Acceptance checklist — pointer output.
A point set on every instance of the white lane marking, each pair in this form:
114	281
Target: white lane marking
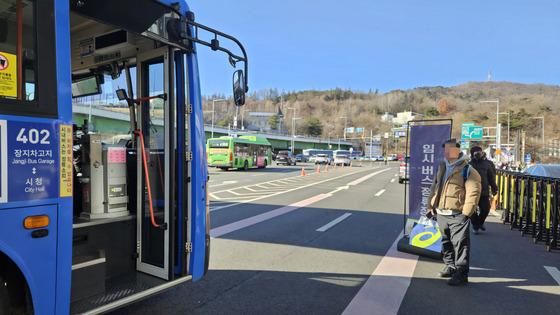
333	222
225	183
290	190
226	206
380	193
392	180
228	228
339	189
554	273
359	180
385	289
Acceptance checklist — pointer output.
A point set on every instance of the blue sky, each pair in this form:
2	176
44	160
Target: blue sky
385	45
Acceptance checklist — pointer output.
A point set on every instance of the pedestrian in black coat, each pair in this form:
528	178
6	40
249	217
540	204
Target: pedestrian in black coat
488	181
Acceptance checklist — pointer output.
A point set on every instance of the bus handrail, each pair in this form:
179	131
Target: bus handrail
144	159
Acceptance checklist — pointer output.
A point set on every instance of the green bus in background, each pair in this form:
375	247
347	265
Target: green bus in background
242	152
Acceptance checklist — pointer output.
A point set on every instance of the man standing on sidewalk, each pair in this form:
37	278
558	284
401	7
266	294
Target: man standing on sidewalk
454	195
488	180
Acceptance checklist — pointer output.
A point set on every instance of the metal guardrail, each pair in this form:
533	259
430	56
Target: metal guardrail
530	205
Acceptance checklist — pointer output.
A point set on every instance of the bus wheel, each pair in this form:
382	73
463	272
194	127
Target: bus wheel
4	298
245	166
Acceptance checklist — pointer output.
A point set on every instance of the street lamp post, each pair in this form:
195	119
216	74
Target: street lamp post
345	123
293	132
329	140
338	141
542	128
213	103
503	113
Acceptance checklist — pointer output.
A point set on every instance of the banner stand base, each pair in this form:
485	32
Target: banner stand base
404	246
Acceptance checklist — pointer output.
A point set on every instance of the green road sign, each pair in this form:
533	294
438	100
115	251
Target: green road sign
474	133
465	129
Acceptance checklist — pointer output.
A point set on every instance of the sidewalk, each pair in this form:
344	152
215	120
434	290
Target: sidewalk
507	276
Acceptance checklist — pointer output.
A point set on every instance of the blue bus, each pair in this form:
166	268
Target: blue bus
103	175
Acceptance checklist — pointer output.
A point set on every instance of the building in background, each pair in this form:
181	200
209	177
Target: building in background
405	117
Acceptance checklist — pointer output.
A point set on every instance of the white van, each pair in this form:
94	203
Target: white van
341	157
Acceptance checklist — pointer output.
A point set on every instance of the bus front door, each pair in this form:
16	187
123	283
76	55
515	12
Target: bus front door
155	186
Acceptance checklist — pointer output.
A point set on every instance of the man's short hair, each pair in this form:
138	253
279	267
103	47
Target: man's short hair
452	141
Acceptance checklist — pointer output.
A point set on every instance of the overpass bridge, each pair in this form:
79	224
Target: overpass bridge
117	120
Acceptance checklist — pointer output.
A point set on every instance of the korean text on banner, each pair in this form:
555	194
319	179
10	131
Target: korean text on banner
425	154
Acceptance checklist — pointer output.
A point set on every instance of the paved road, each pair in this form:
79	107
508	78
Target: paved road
321	244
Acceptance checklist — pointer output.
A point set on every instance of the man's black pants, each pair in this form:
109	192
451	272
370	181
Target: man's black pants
455	241
483	210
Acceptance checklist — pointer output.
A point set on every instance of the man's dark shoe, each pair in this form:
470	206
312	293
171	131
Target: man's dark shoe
458	279
483	228
475	230
447	272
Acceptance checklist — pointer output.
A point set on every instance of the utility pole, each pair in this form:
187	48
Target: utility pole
523	145
345	123
213	103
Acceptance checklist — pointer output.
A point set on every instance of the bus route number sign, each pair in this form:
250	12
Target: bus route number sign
28	160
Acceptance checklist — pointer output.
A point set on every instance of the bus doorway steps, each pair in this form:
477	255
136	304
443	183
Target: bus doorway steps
116	288
88	274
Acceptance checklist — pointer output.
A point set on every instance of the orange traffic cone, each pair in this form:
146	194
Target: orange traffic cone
318	169
335	166
350	164
360	164
303	171
327	169
342	165
371	164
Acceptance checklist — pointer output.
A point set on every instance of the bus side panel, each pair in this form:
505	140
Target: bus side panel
64	96
199	174
35	257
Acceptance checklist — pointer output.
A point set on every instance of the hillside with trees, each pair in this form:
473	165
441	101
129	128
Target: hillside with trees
321	111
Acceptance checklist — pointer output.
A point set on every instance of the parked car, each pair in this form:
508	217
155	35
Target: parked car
392	157
400	157
322	159
285	157
379	158
302	158
365	158
403	170
312	158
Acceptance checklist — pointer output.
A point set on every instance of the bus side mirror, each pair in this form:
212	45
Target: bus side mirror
239	88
